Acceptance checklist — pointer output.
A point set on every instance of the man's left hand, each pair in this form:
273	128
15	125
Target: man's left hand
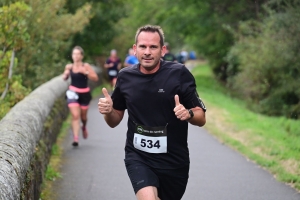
180	111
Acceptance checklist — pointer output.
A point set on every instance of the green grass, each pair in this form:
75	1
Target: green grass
52	174
98	90
272	142
53	168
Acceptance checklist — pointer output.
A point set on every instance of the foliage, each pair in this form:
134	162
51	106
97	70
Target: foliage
13	25
244	41
13	36
267	58
272	142
50	39
98	34
198	25
42	31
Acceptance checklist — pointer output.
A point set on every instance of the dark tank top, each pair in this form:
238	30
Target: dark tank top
78	80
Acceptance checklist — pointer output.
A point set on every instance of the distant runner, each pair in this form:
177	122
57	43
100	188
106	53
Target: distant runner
113	65
168	55
161	100
78	95
131	59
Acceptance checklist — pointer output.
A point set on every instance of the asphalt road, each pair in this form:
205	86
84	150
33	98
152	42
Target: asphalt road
95	170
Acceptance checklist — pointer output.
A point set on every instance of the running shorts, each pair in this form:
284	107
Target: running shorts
112	74
170	183
83	100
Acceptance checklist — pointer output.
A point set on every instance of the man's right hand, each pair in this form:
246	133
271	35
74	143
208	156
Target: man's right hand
105	104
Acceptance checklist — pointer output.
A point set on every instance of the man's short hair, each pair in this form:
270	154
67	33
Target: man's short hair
153	29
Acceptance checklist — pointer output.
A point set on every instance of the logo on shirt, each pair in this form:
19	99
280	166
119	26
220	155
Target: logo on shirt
140	129
161	91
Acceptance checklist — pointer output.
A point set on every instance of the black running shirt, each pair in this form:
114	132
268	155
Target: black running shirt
149	99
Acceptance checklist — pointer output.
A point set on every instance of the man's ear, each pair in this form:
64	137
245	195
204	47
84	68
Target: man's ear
163	52
134	49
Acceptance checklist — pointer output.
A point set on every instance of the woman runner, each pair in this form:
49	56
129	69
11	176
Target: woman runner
78	95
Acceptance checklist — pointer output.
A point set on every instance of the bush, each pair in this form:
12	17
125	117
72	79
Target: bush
265	62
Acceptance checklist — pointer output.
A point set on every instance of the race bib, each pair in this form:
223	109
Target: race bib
150	139
72	95
113	72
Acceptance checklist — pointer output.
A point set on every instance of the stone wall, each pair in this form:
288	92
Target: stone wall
27	134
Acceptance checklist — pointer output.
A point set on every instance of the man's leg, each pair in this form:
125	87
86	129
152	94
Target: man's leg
147	193
143	180
172	182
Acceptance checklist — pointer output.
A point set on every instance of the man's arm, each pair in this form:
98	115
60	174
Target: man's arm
199	117
112	116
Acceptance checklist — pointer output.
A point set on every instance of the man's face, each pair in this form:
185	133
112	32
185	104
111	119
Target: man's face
148	49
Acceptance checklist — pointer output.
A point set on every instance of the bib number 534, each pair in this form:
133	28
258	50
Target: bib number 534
150	144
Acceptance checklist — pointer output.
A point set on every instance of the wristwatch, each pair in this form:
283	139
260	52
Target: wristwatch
191	114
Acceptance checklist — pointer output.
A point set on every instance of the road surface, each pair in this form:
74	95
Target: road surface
95	169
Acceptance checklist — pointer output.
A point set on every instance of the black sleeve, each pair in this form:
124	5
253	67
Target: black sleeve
189	97
118	99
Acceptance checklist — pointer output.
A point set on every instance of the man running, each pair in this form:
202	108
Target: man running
161	100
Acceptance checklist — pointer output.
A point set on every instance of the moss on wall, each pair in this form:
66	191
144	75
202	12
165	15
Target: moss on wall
32	186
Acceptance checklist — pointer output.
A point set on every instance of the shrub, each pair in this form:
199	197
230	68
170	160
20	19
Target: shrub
265	62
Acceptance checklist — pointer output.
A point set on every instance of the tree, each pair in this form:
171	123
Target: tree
98	34
51	29
198	24
13	34
34	36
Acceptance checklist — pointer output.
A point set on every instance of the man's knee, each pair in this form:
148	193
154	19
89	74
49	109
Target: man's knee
147	193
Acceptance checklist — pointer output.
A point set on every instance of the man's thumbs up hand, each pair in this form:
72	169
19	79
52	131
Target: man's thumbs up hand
180	111
105	105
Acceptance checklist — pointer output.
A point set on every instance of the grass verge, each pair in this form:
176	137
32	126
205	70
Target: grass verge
98	90
272	142
53	168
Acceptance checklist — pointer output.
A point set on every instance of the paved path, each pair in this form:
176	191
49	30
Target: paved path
95	170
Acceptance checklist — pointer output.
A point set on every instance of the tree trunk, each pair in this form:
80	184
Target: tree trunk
10	72
3	53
